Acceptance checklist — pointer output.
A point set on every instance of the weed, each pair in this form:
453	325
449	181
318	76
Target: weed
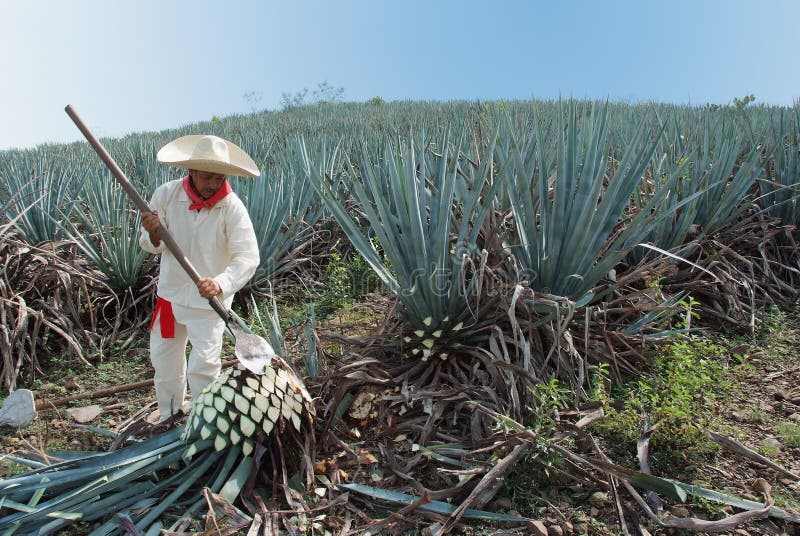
336	294
678	398
344	282
539	464
755	415
689	305
363	278
790	434
768	449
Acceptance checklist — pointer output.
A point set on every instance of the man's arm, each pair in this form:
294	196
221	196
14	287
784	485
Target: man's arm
151	223
243	247
148	239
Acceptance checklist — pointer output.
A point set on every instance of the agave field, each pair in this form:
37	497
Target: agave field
508	246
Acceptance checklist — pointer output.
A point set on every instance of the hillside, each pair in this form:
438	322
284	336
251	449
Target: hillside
485	298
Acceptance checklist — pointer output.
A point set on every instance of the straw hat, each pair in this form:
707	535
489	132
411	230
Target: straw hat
208	153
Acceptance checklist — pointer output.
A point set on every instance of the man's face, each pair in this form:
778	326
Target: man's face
205	182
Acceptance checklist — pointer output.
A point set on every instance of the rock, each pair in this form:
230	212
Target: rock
594	512
568	527
581	528
86	414
773	442
18	409
780	394
537	528
72	384
794	417
742	349
599	498
362	406
555	530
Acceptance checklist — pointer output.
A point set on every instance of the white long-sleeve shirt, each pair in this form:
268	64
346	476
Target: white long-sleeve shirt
219	242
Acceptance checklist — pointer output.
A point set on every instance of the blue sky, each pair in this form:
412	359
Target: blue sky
154	64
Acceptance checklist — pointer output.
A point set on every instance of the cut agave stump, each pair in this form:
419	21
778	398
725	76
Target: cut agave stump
243	408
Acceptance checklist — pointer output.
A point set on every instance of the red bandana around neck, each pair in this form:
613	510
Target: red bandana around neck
198	202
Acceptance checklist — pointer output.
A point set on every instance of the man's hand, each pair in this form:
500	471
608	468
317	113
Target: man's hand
208	287
151	223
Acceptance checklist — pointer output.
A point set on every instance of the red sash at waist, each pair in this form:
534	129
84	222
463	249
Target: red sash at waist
164	308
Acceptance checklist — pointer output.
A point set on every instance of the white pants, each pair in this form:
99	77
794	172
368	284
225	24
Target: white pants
203	329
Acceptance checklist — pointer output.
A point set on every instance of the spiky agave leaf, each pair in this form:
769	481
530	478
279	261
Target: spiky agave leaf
779	193
107	232
709	159
568	199
425	204
284	209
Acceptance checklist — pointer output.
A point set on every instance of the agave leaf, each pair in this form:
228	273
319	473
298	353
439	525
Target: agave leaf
437	507
650	317
779	191
116	479
186	479
89	467
234	485
107	231
736	502
664	486
127	496
43	183
716	161
568	219
284	208
408	198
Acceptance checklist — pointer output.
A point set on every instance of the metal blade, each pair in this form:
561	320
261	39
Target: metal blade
252	351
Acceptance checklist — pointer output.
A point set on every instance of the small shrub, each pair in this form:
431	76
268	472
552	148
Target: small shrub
538	466
345	281
363	278
679	395
336	294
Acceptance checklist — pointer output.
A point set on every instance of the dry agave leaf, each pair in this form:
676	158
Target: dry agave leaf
362	406
736	447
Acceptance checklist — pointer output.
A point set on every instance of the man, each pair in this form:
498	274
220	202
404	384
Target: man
211	225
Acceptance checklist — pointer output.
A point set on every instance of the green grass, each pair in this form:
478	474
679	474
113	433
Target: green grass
789	433
769	450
